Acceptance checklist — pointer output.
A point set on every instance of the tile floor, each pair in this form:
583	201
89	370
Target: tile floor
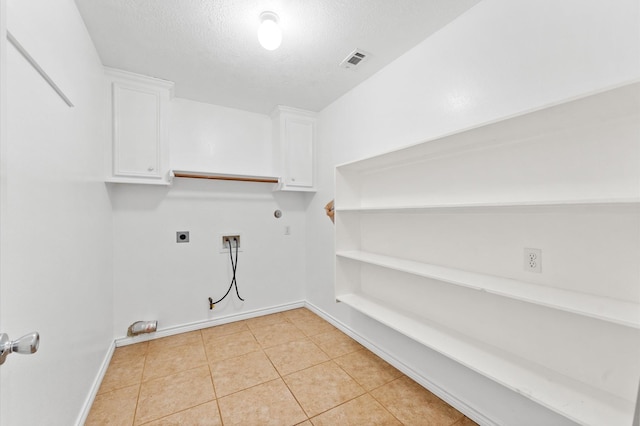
290	368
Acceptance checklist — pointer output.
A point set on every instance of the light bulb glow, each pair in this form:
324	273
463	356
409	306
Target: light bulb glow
269	32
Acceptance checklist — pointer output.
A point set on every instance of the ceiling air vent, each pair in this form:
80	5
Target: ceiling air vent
355	58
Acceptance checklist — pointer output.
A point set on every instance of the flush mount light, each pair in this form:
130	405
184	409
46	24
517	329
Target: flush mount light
269	32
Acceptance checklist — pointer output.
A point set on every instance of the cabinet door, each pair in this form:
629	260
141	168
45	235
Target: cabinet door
299	152
137	132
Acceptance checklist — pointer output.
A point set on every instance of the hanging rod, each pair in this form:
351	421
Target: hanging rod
223	176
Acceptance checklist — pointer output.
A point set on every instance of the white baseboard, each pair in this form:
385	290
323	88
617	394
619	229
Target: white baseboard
198	325
84	413
461	405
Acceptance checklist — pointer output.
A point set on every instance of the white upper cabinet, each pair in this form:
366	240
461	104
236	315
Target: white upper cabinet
294	151
139	151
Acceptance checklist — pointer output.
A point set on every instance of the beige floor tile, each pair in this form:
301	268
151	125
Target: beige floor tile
312	325
223	330
368	369
170	360
276	334
231	345
117	407
267	404
363	410
202	415
322	387
327	374
235	374
335	343
182	339
129	352
298	313
466	421
294	356
170	394
125	372
265	320
414	405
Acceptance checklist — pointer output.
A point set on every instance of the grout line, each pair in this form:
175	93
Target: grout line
213	386
209	362
288	388
175	412
366	392
380	402
144	366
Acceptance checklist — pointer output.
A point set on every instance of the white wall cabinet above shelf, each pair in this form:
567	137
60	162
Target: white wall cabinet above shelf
603	308
139	144
294	148
433	241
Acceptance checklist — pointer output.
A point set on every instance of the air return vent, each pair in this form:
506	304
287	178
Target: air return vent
355	59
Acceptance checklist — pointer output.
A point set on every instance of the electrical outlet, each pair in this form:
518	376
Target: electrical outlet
182	237
233	239
533	260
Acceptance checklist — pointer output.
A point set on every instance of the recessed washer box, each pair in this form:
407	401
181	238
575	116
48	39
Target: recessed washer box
231	237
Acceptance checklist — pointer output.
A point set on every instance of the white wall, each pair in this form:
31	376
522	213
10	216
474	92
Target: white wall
56	264
496	60
207	137
156	278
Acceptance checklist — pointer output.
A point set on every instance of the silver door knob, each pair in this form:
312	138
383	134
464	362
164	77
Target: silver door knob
25	345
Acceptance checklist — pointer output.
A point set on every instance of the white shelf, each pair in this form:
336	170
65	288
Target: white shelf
630	201
573	399
604	107
602	308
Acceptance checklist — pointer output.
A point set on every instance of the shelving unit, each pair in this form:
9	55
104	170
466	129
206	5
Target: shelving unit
430	239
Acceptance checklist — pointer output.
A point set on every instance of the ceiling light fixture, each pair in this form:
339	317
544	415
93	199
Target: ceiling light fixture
269	32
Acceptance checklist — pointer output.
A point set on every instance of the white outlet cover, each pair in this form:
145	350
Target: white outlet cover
533	260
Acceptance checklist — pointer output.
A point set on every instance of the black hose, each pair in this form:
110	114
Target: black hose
234	265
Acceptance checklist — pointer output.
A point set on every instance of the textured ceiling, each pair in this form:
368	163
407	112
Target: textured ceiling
209	48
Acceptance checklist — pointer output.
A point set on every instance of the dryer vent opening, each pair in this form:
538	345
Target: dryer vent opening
140	327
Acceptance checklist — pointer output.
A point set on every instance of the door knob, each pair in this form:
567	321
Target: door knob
25	345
